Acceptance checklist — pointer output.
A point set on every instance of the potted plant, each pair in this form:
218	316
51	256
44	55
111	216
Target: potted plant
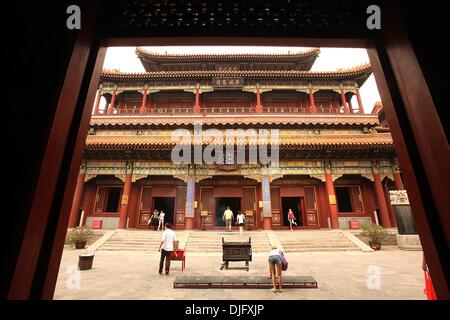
375	233
79	236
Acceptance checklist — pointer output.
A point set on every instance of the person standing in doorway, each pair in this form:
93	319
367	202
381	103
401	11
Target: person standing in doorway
291	218
228	216
166	248
240	221
161	220
154	219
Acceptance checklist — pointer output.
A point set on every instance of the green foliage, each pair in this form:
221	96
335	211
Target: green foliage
80	234
374	232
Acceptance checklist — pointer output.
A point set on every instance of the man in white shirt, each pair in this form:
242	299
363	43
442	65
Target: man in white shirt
166	247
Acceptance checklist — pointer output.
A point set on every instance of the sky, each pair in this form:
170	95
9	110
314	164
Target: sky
330	59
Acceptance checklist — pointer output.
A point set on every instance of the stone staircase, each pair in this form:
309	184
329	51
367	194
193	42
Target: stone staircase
315	240
211	241
134	240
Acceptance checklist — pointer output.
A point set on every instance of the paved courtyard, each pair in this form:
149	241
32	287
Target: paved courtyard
388	274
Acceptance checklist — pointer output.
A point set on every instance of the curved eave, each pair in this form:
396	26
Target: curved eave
314	120
158	57
358	74
383	141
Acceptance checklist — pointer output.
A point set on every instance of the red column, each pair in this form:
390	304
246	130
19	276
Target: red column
97	101
111	105
124	203
336	105
398	183
350	107
312	102
332	201
388	203
76	204
360	104
189	223
381	200
344	102
258	101
144	103
267	223
197	100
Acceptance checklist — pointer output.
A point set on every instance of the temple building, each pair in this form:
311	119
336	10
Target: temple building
336	162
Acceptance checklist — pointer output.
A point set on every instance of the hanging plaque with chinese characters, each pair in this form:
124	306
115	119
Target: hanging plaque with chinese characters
228	82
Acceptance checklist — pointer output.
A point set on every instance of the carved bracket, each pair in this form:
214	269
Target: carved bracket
181	177
88	177
321	177
367	176
121	177
390	176
334	177
275	176
136	177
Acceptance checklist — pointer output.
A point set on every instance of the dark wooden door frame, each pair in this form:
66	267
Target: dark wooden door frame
174	215
416	129
302	212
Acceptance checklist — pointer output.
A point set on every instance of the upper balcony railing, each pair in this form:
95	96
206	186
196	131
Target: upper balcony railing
238	110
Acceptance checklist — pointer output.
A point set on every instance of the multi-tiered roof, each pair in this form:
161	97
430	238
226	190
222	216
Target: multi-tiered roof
260	72
289	66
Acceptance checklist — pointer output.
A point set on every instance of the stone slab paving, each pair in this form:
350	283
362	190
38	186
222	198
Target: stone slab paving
340	275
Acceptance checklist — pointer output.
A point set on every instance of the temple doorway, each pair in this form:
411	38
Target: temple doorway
166	204
295	204
221	206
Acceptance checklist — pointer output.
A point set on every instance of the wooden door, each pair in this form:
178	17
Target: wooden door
311	207
100	199
207	205
145	206
180	206
355	194
275	201
249	205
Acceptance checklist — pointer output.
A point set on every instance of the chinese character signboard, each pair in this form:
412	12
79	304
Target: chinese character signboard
228	82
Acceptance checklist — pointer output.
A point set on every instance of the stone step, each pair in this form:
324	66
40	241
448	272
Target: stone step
309	237
220	249
313	242
188	246
295	248
130	246
229	237
204	242
226	240
320	249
